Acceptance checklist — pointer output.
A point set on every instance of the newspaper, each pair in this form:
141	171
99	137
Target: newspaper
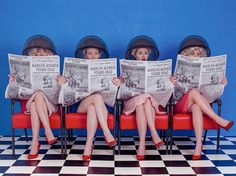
33	73
204	74
85	77
146	77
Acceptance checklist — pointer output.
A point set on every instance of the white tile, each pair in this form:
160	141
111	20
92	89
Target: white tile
74	157
229	152
186	152
125	158
99	175
7	162
17	151
155	175
152	152
45	147
73	170
227	170
97	163
37	174
78	147
21	169
172	157
128	170
151	164
201	163
231	138
128	147
54	151
184	143
3	147
223	142
8	138
24	157
180	170
127	139
102	152
209	147
51	163
218	157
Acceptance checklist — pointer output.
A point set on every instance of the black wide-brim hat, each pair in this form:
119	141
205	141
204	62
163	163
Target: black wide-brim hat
91	42
38	41
142	41
194	41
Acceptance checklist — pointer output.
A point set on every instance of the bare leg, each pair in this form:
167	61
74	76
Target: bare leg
35	123
142	128
197	116
92	124
101	111
197	98
150	115
42	111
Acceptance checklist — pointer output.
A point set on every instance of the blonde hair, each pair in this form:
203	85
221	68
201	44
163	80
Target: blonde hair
134	51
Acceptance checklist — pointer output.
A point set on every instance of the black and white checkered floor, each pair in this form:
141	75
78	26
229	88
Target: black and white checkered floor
104	162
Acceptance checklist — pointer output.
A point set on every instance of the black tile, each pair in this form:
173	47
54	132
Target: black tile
9	156
100	170
189	157
76	151
207	143
24	139
174	152
26	163
152	157
5	142
206	170
103	157
103	147
182	175
186	147
47	169
80	142
215	138
127	143
3	169
233	156
224	163
181	139
157	170
76	163
176	164
212	152
41	151
19	147
16	174
227	146
128	152
126	163
53	157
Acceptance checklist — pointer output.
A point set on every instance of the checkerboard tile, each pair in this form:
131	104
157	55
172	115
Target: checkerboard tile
103	162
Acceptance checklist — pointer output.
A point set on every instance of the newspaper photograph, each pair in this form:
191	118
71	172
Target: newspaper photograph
204	74
85	77
146	77
33	73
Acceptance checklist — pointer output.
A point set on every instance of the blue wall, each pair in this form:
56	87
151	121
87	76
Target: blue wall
168	22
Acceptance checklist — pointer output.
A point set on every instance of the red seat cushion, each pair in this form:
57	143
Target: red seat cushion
20	120
184	122
128	122
79	120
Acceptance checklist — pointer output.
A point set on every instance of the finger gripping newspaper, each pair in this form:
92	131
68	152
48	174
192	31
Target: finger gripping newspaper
204	74
31	74
86	77
146	77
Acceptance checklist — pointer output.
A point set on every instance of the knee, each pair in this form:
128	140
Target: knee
147	103
98	98
194	93
39	97
91	108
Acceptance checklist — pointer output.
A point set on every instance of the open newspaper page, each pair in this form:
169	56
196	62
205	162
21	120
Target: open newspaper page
101	74
204	74
133	73
146	77
158	80
44	71
188	73
21	88
33	73
213	72
85	77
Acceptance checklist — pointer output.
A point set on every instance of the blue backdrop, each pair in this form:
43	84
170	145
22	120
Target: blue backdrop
166	21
